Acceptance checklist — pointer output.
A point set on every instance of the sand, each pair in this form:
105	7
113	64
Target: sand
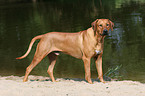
42	86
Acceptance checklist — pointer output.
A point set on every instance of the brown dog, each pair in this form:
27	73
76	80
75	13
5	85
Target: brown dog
83	45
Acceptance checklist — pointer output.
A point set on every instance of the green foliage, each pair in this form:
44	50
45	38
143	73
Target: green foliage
112	72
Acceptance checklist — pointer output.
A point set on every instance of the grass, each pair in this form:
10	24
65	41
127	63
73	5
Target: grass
113	73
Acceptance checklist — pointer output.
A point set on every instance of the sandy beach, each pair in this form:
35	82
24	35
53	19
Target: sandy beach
42	86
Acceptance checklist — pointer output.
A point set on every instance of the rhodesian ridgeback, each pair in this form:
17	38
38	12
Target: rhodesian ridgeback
82	45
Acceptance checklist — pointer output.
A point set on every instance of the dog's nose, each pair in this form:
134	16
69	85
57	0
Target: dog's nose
105	32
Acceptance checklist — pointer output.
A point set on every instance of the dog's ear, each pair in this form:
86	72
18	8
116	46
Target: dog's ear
111	25
94	25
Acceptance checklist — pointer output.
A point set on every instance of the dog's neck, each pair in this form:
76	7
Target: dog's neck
97	40
99	43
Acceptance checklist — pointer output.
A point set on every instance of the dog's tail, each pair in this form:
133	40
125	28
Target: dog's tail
30	46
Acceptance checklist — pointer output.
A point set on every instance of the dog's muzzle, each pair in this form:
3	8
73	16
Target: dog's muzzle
105	32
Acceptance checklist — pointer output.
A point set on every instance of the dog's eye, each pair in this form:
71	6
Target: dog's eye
100	25
107	24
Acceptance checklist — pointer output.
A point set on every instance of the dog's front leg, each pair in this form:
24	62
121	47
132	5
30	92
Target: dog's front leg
99	67
87	69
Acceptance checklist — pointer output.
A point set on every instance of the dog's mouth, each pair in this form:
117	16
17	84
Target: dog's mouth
104	34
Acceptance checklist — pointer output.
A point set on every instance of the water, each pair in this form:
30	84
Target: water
21	21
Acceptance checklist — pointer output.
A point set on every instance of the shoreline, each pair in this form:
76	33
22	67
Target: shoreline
42	86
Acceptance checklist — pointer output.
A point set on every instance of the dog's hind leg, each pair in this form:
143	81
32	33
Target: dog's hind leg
52	58
34	62
41	51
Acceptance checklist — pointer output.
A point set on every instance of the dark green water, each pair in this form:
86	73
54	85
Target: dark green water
21	21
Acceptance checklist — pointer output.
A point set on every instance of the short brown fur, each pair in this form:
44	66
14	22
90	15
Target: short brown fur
82	45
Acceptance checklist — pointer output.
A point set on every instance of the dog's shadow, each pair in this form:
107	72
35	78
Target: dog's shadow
72	79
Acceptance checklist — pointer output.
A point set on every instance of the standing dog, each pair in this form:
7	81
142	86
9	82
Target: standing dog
83	45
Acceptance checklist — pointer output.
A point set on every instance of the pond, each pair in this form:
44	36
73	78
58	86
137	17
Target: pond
125	46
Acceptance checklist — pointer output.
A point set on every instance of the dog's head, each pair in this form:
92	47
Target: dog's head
102	26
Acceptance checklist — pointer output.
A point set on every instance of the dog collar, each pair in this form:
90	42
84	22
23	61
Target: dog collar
97	52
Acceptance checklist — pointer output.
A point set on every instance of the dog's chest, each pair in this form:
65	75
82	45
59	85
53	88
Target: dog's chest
97	52
98	48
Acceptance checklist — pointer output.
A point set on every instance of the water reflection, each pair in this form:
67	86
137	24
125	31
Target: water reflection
20	22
